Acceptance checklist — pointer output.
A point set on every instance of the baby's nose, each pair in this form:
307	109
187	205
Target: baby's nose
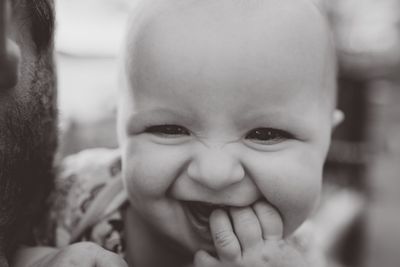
215	168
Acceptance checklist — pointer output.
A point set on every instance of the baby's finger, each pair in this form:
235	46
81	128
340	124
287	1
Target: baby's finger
203	259
225	241
270	220
247	227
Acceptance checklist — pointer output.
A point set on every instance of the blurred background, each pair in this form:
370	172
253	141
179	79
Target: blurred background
359	218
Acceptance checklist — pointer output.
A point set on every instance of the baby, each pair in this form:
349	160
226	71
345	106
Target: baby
224	122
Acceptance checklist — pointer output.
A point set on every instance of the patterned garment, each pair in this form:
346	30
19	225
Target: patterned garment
88	204
81	178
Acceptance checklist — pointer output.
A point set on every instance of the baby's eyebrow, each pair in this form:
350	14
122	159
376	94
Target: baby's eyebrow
278	116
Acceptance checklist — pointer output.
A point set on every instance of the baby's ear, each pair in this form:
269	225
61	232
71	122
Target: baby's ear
337	117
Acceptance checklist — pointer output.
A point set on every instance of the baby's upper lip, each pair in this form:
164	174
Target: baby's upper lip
208	204
221	205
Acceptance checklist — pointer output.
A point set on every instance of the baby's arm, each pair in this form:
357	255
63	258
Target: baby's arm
84	254
253	239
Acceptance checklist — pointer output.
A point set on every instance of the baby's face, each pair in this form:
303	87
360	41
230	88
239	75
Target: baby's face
219	111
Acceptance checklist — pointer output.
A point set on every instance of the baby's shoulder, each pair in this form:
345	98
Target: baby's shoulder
87	170
80	178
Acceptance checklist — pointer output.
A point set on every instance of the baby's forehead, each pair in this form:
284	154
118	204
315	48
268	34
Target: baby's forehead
159	23
181	35
165	11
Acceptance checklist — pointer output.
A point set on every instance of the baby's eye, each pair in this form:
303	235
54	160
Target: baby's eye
167	130
268	136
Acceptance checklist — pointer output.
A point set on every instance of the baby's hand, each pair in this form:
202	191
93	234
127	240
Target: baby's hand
84	254
254	240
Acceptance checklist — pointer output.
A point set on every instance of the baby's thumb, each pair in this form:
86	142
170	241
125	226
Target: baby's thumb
203	259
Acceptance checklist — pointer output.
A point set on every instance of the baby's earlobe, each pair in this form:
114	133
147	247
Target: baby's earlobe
337	117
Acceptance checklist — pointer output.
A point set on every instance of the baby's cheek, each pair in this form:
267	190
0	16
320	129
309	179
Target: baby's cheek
294	194
149	170
298	206
301	186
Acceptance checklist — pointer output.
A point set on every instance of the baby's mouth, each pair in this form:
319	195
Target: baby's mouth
199	214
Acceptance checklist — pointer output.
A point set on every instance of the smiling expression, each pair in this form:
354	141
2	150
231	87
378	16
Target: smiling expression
217	111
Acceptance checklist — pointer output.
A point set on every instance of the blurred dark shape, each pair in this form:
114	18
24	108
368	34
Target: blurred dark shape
9	51
365	152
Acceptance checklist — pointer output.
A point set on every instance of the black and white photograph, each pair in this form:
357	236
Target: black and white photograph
199	133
